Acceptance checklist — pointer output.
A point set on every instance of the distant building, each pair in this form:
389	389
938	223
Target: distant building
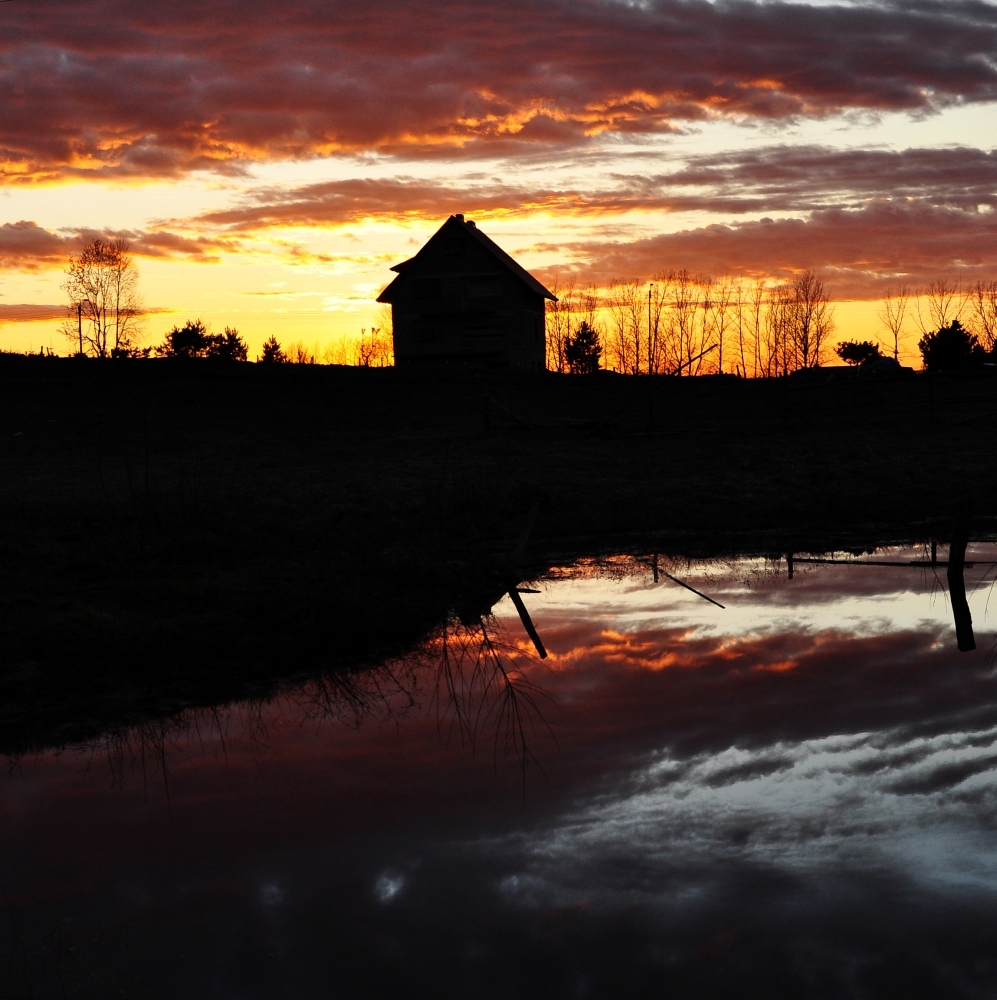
462	300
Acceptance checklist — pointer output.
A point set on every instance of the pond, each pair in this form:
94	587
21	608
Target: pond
785	790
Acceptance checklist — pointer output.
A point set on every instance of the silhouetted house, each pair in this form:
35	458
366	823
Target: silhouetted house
462	300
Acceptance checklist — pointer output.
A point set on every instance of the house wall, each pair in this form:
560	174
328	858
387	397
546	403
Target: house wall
457	304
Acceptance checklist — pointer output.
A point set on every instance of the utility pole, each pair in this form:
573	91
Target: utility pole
79	324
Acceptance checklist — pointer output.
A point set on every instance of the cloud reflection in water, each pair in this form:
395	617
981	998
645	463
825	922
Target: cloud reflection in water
793	796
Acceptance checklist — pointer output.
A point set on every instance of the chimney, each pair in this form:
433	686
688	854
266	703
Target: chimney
471	224
459	217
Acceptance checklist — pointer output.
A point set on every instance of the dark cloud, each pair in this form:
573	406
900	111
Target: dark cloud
37	313
779	178
859	251
773	179
158	243
27	246
111	86
943	777
888	761
870	217
345	201
26	313
758	767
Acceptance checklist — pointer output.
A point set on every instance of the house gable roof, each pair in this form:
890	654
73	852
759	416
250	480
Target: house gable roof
493	248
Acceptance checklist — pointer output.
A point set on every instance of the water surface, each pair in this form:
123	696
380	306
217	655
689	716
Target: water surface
791	795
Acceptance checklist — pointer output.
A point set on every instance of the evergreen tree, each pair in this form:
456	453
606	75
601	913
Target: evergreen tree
951	348
273	353
192	340
583	351
228	346
187	341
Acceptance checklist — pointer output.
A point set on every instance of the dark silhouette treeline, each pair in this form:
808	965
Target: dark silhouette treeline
691	324
678	324
950	348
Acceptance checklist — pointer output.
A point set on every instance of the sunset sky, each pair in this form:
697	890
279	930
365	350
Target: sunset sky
269	162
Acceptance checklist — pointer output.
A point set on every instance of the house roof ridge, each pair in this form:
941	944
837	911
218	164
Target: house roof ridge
509	261
489	244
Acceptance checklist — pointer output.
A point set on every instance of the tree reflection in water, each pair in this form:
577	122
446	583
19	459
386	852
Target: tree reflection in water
476	679
470	676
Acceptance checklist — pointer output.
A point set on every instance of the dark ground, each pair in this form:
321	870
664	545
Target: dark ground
179	534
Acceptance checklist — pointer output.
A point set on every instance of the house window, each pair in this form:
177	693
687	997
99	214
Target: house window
453	248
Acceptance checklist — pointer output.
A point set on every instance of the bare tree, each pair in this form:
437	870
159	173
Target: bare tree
658	327
789	325
983	300
724	299
746	303
559	324
588	307
683	306
385	322
810	321
777	327
701	338
705	334
372	349
104	309
625	303
751	326
741	328
939	304
688	324
759	290
894	314
301	354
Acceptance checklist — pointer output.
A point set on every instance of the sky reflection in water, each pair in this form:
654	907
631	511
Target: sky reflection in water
791	796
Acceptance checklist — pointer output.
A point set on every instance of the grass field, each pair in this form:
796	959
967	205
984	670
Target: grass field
178	534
